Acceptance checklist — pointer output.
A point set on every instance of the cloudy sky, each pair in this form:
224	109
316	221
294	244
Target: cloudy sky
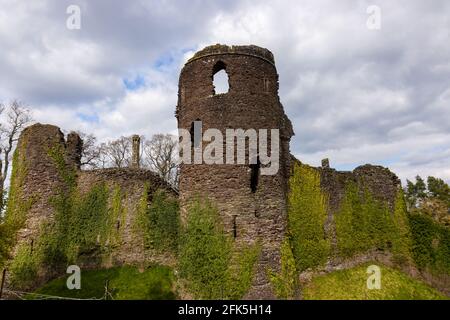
354	94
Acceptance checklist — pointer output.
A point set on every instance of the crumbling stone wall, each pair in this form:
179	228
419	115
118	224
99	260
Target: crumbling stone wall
252	102
131	184
38	178
45	167
382	184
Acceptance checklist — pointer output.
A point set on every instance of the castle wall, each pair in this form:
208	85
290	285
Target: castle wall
382	184
131	185
36	177
45	172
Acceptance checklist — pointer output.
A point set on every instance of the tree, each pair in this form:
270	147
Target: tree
431	198
437	188
90	152
410	193
17	118
118	152
415	192
420	188
161	155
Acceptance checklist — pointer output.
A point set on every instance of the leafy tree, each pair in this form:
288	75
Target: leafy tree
410	194
420	188
437	188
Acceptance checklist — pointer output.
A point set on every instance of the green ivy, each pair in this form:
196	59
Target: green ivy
430	244
307	214
363	223
209	262
24	268
116	217
159	222
67	174
16	207
82	226
285	282
401	236
240	271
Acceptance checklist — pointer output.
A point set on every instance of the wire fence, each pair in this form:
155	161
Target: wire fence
23	295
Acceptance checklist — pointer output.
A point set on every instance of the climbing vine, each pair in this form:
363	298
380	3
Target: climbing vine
306	218
430	244
209	261
16	207
158	221
363	223
401	235
285	282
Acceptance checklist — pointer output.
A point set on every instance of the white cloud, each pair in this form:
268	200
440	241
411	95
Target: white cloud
353	94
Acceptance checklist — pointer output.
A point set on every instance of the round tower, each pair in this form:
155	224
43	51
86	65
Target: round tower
252	204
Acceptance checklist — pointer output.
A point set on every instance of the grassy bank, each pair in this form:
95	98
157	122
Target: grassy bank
351	284
123	283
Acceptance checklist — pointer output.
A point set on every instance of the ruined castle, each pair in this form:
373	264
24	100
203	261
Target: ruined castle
252	207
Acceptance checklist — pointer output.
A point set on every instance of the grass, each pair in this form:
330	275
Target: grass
351	284
124	283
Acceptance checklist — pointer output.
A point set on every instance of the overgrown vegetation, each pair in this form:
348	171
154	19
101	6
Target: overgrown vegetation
123	283
17	208
430	244
364	223
307	214
401	235
351	284
82	225
431	198
285	282
159	222
206	256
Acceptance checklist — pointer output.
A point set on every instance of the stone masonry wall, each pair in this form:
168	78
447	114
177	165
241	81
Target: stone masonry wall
39	177
131	183
252	102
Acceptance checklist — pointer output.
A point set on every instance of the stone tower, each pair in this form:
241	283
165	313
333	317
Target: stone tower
41	162
252	206
135	152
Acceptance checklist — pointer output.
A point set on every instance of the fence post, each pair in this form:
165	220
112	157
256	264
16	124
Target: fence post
2	283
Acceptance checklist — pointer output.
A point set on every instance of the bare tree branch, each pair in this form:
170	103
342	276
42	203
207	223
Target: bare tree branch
161	155
17	118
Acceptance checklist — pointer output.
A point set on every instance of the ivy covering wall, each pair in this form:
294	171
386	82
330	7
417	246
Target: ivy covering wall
306	218
285	282
16	207
82	226
158	222
209	261
364	223
430	244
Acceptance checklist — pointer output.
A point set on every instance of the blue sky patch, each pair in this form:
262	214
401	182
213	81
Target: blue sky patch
134	84
88	117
